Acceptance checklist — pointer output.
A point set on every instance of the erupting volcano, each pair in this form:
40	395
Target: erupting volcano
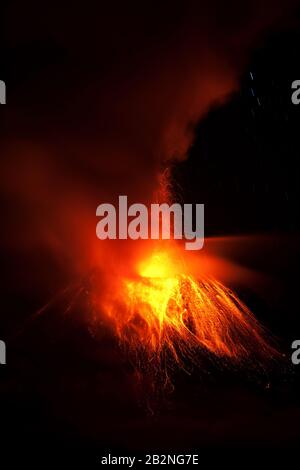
166	315
171	310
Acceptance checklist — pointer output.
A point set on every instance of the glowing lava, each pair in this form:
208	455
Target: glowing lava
164	309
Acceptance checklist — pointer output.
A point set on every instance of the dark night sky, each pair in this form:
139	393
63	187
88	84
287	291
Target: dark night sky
244	163
97	100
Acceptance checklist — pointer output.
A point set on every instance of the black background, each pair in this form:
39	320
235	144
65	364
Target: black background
68	394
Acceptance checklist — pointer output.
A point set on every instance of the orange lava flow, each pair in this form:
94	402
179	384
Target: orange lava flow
164	308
